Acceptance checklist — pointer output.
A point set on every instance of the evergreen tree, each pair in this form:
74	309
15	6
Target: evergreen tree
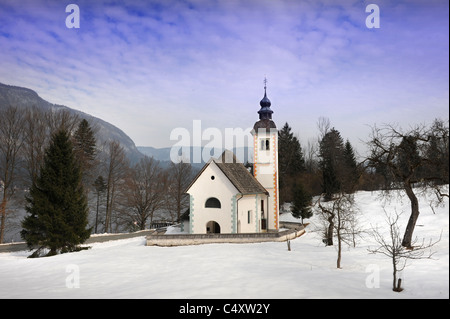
84	147
349	156
331	150
291	161
301	204
57	206
350	177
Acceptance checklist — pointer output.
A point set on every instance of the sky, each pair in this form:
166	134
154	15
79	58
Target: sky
150	67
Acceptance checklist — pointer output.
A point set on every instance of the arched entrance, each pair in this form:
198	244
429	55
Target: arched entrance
212	227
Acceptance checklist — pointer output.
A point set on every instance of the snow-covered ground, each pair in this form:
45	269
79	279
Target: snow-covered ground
129	269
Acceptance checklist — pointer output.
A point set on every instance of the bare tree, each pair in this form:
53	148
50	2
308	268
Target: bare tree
61	119
311	162
144	192
347	224
11	141
327	215
99	192
324	125
35	141
38	126
115	166
408	158
341	215
179	176
391	246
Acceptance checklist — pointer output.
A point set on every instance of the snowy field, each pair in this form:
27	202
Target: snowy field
129	269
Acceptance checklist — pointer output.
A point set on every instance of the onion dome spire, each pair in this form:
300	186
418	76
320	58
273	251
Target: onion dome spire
265	113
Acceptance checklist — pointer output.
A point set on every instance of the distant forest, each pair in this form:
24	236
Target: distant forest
125	195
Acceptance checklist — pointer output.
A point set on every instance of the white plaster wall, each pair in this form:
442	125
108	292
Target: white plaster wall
245	204
204	188
266	172
250	203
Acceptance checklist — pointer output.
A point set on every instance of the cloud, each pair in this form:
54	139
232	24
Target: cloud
151	66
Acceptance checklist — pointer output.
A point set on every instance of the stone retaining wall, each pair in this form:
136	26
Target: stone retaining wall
293	230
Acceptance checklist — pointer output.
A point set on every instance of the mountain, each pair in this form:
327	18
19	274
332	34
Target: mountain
26	98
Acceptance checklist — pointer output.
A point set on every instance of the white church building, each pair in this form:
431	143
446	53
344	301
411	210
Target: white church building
226	198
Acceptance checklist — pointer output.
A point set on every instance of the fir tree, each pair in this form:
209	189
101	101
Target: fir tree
291	162
350	169
57	206
301	205
331	150
85	141
84	147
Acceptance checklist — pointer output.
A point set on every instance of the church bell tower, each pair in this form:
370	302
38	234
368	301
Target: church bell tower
265	159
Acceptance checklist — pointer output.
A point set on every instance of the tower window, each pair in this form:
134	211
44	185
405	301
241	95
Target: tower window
265	144
212	202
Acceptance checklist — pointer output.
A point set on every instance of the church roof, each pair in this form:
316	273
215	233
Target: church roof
236	173
266	124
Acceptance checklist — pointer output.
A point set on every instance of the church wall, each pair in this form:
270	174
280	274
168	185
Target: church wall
206	187
249	213
246	204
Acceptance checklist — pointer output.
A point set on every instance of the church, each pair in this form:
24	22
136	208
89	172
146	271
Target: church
226	198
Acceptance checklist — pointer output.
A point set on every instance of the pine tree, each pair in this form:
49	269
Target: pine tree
291	162
57	206
350	170
84	147
301	204
331	150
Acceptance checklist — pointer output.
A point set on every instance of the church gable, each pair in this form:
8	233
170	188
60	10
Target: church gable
211	196
214	194
211	180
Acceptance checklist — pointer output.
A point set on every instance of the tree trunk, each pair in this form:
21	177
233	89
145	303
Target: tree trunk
396	283
108	207
339	255
96	214
3	218
330	230
394	273
407	237
338	234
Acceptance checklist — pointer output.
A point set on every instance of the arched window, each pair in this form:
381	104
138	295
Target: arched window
212	202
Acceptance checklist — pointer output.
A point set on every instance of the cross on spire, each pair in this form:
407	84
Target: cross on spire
265	83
